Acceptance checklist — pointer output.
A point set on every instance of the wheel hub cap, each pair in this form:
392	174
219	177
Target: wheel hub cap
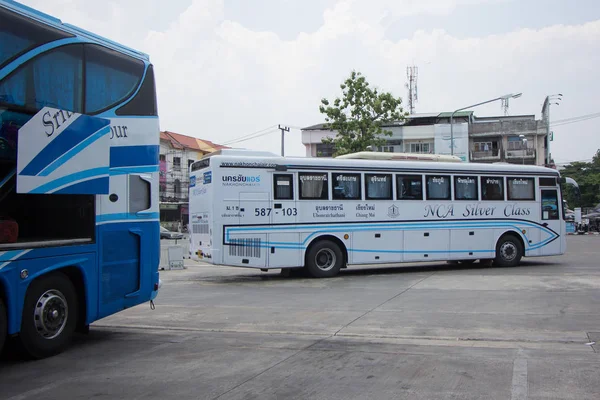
325	259
508	251
51	312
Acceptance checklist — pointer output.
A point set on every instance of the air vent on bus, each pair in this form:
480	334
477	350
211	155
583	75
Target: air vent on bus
245	247
199	228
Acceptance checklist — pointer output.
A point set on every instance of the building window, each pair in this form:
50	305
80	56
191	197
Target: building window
421	148
465	188
325	150
409	187
176	163
378	187
284	189
438	187
386	149
313	186
177	187
492	188
346	186
521	188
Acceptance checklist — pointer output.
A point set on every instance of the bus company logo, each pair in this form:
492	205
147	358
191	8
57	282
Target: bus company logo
393	211
241	180
192	181
207	177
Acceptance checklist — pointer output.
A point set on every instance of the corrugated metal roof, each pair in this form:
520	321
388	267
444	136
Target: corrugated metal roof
179	141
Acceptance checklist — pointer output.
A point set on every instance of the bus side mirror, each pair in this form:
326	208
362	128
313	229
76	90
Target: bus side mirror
563	180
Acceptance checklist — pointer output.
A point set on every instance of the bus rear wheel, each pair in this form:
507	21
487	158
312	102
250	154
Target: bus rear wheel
324	259
3	324
509	251
49	316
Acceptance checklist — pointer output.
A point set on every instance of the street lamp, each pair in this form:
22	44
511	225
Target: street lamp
505	97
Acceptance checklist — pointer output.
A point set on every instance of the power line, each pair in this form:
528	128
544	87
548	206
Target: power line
573	120
250	138
249	134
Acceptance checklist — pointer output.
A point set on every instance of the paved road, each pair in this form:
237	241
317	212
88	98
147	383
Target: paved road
419	332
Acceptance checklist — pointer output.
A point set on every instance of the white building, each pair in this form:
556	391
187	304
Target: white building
515	139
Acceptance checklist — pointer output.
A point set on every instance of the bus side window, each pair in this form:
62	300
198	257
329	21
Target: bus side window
492	188
465	188
378	187
346	186
409	187
284	187
438	187
521	188
313	186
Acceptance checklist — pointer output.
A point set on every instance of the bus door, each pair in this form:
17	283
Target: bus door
284	247
551	216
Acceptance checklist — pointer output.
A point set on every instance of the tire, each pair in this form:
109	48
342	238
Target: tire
49	316
3	324
324	259
509	251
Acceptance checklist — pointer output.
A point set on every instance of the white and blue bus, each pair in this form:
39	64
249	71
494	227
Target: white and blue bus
260	210
79	143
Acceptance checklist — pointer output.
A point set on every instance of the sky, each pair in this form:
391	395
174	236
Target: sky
229	68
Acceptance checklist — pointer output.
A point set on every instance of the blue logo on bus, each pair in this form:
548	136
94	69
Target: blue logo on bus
207	177
192	181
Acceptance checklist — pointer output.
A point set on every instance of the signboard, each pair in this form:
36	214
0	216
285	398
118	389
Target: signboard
442	140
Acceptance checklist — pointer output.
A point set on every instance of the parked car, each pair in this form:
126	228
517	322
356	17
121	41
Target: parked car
167	234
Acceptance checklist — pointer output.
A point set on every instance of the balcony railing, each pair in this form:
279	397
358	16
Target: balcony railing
493	154
520	153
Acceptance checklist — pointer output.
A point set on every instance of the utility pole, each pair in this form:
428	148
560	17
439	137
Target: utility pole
551	99
283	130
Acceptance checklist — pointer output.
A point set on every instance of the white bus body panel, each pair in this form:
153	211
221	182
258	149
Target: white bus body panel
248	228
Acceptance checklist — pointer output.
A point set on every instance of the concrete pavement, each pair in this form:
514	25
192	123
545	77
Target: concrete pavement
424	331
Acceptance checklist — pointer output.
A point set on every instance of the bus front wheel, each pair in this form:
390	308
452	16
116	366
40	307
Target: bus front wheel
324	259
49	316
3	324
509	251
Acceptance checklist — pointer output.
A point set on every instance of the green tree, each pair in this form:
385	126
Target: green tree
358	114
587	176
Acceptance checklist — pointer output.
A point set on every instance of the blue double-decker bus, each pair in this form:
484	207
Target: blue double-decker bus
79	143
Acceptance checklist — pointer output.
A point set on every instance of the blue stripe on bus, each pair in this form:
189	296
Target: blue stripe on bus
92	186
120	216
128	156
65	180
77	132
74	151
133	170
16	63
409	226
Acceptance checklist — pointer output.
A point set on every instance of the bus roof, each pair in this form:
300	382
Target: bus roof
57	23
376	155
246	159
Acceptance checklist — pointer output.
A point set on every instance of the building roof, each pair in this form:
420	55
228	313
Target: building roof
179	141
412	119
456	115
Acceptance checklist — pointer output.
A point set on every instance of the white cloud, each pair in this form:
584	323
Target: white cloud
219	80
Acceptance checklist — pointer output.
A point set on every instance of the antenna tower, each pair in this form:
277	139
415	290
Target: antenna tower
505	106
412	74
